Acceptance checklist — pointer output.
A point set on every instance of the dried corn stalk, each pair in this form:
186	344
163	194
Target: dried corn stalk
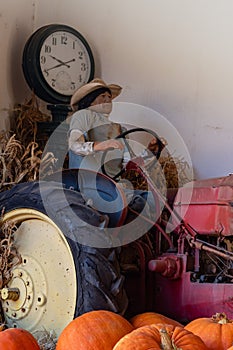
27	116
176	171
9	256
46	340
169	172
22	164
20	154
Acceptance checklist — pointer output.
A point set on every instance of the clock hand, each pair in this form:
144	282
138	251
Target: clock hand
59	65
63	63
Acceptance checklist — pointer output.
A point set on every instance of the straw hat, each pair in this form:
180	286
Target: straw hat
93	85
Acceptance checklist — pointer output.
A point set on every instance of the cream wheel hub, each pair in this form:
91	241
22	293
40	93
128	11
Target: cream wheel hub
46	278
21	281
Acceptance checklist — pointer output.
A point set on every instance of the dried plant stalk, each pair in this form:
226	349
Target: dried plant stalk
22	164
27	116
46	340
20	153
9	256
169	172
176	171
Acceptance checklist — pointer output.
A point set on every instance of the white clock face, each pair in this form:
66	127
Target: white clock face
64	62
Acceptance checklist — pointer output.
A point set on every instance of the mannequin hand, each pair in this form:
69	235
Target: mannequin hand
108	144
155	146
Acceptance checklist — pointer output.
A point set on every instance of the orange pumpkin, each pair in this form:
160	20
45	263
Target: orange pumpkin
159	337
16	338
99	330
148	318
231	348
216	331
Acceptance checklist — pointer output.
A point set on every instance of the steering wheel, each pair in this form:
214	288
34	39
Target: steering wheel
123	135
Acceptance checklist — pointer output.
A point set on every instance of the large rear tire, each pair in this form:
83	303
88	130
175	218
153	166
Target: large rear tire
59	278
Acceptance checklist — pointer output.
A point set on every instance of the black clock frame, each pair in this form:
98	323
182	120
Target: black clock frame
31	63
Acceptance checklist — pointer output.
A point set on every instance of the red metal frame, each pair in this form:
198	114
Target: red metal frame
209	212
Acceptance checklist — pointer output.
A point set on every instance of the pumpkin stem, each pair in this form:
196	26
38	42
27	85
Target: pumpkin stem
166	343
220	317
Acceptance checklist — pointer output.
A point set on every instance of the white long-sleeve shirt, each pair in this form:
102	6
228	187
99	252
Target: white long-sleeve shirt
88	126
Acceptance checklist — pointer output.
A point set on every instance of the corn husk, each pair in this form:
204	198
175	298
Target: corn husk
20	152
46	340
26	117
22	164
169	172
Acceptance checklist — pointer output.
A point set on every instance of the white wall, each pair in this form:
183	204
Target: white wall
173	56
16	21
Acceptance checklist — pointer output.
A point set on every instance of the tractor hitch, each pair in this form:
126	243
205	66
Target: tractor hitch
167	266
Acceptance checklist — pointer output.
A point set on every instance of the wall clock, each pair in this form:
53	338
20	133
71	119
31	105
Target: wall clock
56	61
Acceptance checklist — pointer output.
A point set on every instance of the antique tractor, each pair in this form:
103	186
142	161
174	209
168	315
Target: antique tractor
86	243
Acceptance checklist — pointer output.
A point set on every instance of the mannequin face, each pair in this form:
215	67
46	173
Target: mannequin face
105	97
102	103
